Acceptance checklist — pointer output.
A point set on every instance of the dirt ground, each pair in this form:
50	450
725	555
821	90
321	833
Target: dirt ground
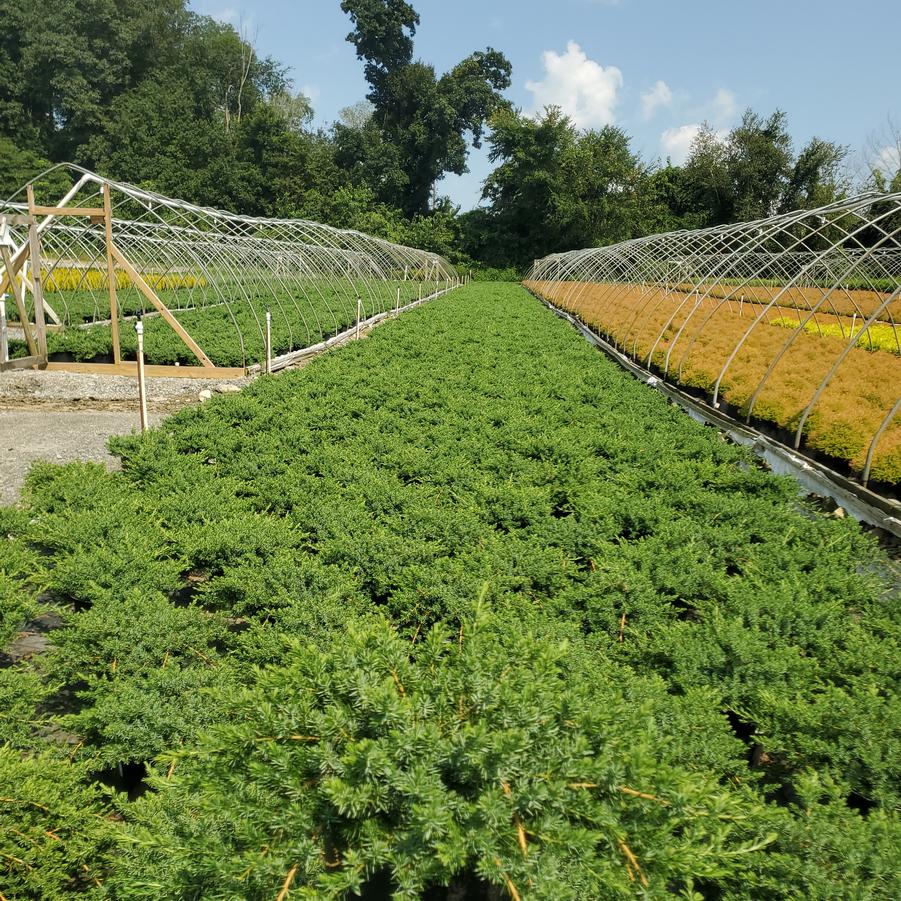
60	416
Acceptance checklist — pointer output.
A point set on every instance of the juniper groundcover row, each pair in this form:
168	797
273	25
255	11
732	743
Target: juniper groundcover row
460	610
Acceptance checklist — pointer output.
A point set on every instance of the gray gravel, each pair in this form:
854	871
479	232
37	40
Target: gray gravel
63	416
58	436
67	390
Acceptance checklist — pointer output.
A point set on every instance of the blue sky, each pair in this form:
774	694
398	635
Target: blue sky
657	68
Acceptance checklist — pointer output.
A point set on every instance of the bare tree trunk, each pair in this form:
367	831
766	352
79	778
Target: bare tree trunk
247	58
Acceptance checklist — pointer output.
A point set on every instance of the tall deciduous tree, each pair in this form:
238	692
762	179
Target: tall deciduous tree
753	172
424	116
816	177
555	188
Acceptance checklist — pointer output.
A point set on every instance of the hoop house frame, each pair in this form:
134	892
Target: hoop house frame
789	322
83	267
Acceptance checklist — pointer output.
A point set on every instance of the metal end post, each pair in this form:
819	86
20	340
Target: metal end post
4	334
142	387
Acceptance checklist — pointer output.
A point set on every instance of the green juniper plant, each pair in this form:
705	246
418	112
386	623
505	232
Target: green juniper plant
474	758
655	598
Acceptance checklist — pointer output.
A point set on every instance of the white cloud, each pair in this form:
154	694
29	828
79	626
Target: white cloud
226	15
723	106
311	92
581	87
676	142
656	98
888	160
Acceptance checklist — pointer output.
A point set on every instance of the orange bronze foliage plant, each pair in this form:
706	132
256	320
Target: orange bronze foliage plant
759	368
843	301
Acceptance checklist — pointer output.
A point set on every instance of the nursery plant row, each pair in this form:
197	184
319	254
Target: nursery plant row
231	334
459	610
870	300
700	346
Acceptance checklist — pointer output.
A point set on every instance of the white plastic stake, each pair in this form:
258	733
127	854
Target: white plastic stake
420	290
142	388
406	269
853	323
4	334
397	302
359	316
268	342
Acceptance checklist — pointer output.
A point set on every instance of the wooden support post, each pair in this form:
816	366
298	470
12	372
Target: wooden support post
37	285
19	297
142	387
164	311
40	326
111	275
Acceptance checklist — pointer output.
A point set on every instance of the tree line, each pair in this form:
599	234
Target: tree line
149	92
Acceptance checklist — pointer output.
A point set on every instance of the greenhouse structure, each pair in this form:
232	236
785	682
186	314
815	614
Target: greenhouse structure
790	323
86	266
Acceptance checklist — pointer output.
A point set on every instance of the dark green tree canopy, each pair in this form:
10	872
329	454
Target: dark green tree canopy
383	35
426	117
753	172
64	63
555	187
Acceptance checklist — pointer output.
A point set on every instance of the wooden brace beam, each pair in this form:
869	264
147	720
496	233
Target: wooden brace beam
164	311
12	263
32	362
18	293
130	369
47	308
93	212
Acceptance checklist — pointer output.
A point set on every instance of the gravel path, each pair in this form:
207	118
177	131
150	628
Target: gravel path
61	416
70	390
58	436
